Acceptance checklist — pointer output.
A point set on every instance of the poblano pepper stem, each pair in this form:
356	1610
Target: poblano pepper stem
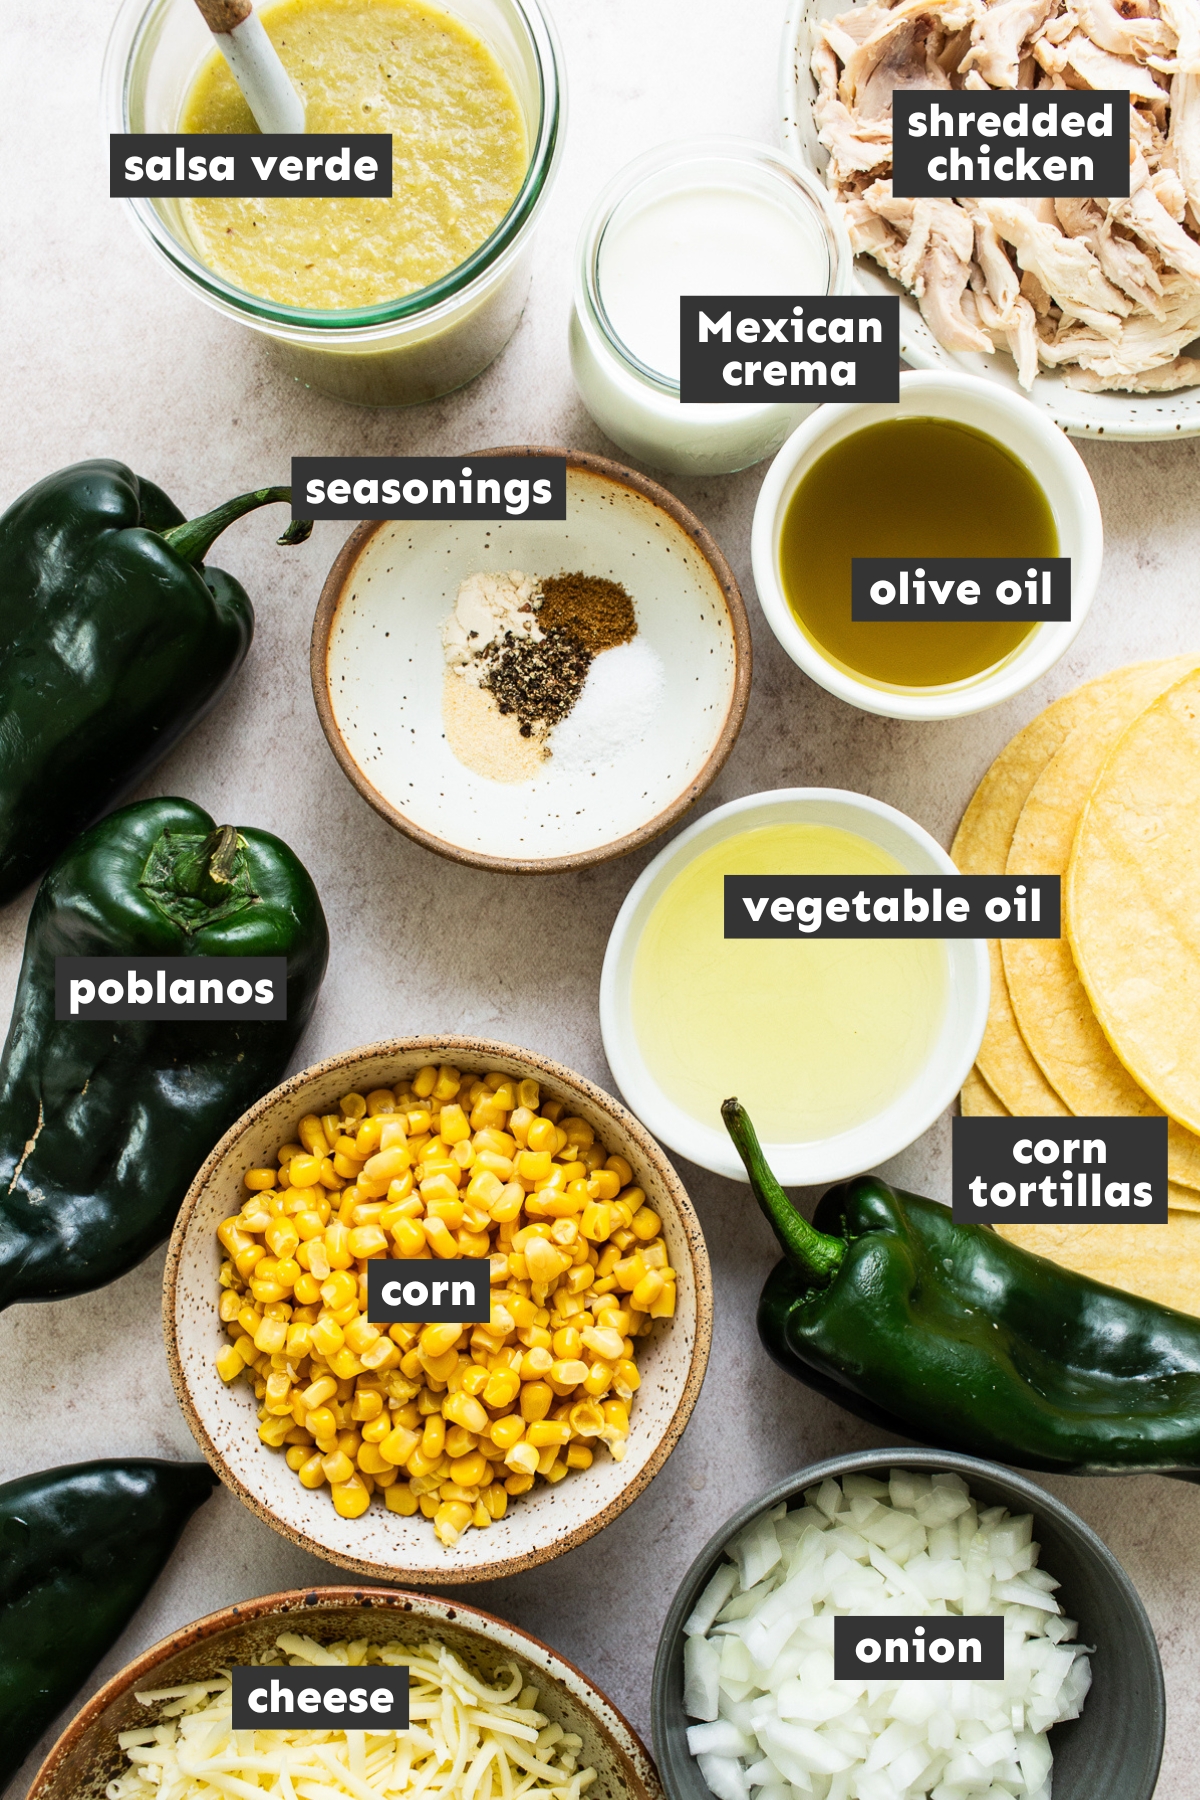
196	881
193	540
204	871
816	1255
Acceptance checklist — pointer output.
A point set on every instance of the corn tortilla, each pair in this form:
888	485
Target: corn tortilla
1052	1009
981	846
1131	896
977	1100
1159	1262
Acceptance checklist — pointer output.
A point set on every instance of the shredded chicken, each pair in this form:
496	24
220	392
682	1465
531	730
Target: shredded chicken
1107	290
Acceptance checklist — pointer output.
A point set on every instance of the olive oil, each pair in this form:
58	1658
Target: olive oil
908	487
814	1036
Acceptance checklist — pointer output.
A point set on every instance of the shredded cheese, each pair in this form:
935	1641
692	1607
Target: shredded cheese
466	1741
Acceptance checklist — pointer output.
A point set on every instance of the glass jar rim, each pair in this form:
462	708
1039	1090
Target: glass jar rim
798	181
129	30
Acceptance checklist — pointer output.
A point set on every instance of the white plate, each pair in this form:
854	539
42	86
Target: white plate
1083	415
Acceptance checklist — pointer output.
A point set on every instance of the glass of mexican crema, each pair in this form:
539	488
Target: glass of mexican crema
380	302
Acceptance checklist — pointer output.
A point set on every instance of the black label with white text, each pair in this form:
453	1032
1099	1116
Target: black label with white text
429	487
457	1291
892	906
953	1648
366	1697
739	350
1074	1171
170	987
987	589
249	165
1012	145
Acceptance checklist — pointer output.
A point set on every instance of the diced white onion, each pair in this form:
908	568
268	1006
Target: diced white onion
758	1657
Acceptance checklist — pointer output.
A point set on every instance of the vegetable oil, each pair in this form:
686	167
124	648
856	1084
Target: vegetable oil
814	1036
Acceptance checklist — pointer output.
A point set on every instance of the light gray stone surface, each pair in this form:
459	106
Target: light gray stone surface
105	355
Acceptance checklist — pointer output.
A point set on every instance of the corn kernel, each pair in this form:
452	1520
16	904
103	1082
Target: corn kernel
627	1377
664	1306
270	1336
548	1431
371	1461
399	1445
312	1471
351	1498
461	1409
439	1239
507	1431
603	1342
536	1400
522	1459
647	1290
388	1165
229	1363
503	1386
451	1520
567	1373
599	1379
469	1471
597	1222
401	1499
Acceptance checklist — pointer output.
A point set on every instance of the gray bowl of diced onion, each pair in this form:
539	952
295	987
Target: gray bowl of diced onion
748	1716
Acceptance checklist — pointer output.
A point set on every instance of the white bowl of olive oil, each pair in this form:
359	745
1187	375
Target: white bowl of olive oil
843	1051
960	468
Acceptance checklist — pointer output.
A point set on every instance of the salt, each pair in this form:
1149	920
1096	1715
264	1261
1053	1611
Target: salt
618	704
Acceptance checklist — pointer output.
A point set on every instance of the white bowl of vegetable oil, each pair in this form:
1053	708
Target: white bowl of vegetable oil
843	1051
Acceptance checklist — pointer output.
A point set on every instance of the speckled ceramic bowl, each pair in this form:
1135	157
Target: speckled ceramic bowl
377	672
383	1544
87	1755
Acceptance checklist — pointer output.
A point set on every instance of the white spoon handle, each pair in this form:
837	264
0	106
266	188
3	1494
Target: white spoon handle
255	65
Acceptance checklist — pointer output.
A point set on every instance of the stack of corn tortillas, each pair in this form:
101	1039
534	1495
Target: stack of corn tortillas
1103	788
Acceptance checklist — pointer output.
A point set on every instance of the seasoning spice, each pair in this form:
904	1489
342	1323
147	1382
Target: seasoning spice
597	612
518	651
483	741
540	682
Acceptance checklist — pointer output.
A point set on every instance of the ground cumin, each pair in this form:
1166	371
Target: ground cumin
598	613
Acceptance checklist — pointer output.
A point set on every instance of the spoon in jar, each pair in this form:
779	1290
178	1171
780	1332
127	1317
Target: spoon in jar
254	63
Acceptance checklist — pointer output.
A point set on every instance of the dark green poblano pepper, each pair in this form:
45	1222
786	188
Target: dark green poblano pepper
80	1548
104	1124
115	640
948	1333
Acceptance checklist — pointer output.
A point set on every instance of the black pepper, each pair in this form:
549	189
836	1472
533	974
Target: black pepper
539	682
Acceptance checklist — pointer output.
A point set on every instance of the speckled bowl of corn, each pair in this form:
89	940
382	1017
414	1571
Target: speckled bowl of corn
432	1452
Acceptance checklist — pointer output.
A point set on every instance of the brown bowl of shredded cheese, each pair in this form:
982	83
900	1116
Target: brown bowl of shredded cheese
494	1713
